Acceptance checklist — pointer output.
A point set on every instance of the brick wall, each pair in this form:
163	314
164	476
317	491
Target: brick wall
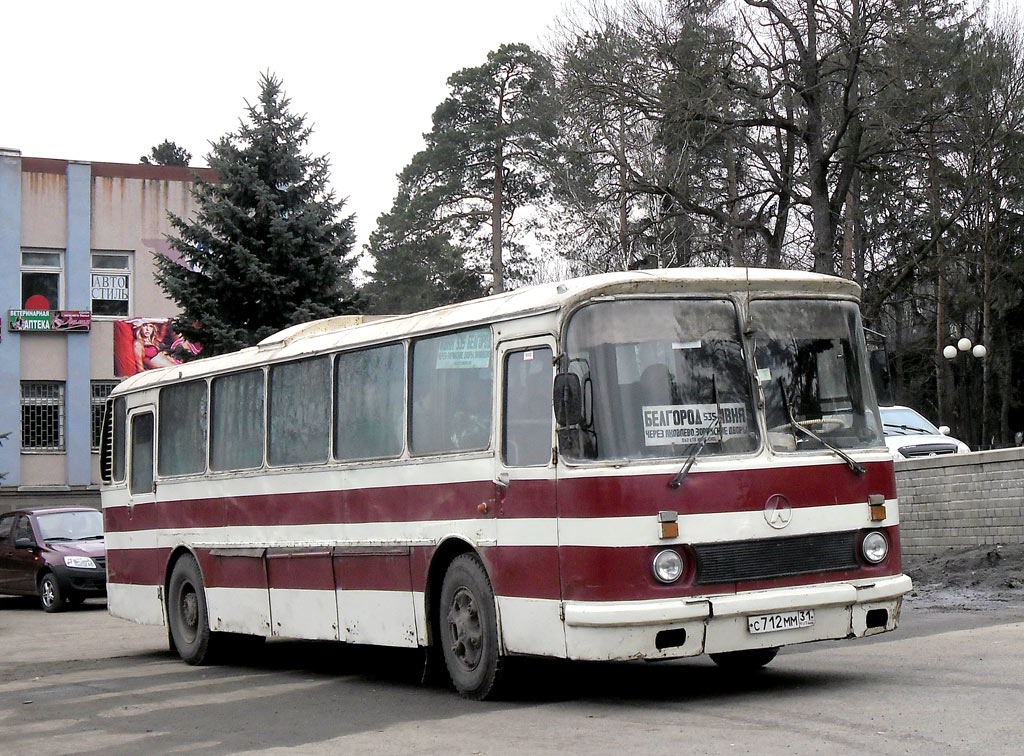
961	501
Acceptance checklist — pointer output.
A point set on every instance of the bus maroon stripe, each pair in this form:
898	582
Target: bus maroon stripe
589	573
617	496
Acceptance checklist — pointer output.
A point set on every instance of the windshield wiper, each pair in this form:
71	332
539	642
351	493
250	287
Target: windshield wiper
850	461
908	428
57	538
698	447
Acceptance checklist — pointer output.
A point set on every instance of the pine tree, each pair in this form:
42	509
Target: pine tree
485	159
268	247
167	153
416	268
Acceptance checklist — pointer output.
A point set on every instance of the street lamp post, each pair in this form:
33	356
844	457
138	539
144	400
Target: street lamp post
979	351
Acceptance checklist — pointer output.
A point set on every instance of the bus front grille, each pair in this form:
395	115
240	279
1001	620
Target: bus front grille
734	561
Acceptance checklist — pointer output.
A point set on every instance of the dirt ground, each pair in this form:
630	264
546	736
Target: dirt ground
969	578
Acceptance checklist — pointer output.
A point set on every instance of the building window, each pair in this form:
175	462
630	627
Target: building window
42	416
110	283
98	393
42	279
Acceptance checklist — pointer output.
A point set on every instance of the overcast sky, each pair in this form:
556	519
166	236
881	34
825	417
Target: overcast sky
106	81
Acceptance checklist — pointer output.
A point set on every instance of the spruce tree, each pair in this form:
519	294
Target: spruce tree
268	247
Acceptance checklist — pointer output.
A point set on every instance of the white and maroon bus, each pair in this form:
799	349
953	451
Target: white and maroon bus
643	465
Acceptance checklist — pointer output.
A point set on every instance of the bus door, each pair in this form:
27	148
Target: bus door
526	575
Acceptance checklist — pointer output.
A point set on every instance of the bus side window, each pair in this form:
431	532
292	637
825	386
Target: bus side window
300	412
142	454
451	393
182	432
236	427
529	376
369	398
120	420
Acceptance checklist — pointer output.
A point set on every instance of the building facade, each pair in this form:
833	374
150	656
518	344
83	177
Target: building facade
77	245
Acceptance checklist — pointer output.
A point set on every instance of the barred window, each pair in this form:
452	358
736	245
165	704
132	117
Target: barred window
42	416
98	393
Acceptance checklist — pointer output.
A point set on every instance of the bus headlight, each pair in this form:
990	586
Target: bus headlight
667	566
875	547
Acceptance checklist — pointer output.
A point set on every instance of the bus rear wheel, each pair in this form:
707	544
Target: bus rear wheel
189	626
741	661
469	628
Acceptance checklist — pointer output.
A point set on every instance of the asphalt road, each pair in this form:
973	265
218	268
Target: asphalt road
949	681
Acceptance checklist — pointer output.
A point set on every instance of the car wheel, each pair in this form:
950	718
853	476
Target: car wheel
189	626
49	593
744	661
469	628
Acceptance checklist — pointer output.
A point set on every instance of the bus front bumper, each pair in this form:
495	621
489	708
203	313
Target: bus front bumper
665	629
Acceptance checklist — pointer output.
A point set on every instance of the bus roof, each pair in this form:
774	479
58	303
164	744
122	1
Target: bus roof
336	333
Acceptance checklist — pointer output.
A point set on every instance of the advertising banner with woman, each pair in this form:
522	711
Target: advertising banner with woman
148	343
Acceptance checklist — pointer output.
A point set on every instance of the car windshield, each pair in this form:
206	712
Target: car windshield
655	376
811	367
70	526
901	421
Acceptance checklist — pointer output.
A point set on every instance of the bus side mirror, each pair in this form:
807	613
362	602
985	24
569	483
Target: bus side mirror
878	365
568	399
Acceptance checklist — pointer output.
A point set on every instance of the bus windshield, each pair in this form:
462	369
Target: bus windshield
811	367
656	374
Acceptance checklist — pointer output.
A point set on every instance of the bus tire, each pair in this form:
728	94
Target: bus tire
187	618
469	628
744	661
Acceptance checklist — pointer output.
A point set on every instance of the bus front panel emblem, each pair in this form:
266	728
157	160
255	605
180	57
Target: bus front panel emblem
778	511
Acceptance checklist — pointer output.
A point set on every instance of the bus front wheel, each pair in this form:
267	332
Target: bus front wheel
186	612
469	628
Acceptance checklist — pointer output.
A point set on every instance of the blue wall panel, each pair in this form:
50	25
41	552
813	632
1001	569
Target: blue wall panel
10	292
77	268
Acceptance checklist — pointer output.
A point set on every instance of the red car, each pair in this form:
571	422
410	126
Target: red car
56	554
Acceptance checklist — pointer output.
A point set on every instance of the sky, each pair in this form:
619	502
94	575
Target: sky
105	81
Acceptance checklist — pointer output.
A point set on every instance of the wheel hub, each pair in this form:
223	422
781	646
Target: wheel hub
466	630
189	611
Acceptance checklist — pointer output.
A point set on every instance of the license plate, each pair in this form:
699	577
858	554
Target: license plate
770	623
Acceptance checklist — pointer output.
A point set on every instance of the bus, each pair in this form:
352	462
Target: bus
644	465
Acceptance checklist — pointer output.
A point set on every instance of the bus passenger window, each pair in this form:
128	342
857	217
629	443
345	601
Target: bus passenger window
300	412
142	454
182	429
236	427
120	421
369	416
527	416
451	393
